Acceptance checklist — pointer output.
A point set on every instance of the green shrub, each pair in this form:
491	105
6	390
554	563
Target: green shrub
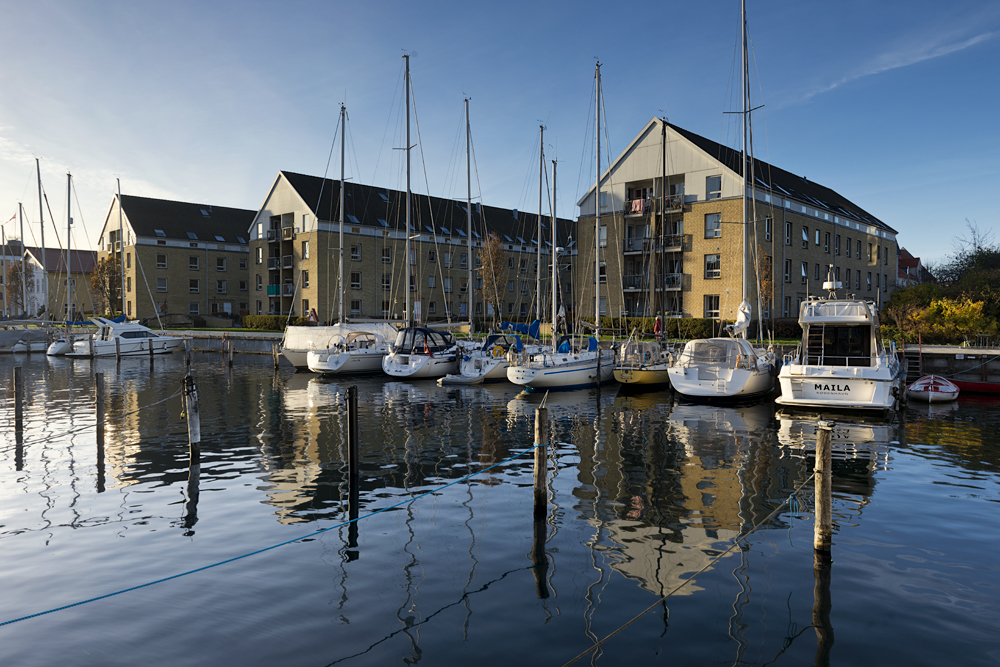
271	322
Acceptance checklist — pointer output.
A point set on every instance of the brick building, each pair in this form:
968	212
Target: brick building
680	252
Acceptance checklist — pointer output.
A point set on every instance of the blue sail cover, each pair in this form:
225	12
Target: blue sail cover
530	330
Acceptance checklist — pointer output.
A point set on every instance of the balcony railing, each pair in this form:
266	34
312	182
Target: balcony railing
272	263
669	243
670	281
272	235
286	261
287	233
635	282
652	205
274	290
288	289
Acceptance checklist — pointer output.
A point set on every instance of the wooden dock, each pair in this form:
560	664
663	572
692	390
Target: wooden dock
973	369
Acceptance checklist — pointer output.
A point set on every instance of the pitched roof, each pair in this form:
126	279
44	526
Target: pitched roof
178	220
368	205
81	261
781	182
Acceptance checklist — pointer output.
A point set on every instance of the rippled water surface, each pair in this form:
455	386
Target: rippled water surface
647	496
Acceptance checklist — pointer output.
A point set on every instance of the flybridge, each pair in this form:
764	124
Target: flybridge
841	312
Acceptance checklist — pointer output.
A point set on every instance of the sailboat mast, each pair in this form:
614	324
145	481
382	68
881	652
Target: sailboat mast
340	281
554	256
406	84
538	262
597	217
24	272
121	248
659	258
746	162
468	205
41	218
69	231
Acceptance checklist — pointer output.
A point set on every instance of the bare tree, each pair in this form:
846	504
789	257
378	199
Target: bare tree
15	300
491	259
107	284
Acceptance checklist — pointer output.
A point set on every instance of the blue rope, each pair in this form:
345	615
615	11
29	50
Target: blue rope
274	546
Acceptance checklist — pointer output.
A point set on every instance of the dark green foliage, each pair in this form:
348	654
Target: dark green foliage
271	322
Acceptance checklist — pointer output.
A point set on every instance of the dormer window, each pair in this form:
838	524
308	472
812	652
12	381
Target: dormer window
160	233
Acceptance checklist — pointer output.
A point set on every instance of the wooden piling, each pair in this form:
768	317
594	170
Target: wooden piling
118	348
99	402
187	355
823	532
230	345
541	462
274	354
822	604
150	354
353	448
18	400
192	410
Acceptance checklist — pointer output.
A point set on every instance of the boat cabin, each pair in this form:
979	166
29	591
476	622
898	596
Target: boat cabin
839	333
420	340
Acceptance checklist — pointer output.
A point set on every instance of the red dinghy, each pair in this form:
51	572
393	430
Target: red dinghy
932	389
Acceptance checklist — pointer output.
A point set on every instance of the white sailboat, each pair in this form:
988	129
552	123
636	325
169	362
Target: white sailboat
357	349
573	362
726	368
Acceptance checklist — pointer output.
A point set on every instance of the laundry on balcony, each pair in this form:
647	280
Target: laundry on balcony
639	205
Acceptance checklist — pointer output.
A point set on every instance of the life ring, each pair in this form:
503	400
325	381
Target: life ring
497	351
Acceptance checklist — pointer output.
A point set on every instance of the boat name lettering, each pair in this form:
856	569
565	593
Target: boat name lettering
831	387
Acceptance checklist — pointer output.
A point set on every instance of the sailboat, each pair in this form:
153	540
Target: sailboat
418	352
64	343
573	362
722	368
349	350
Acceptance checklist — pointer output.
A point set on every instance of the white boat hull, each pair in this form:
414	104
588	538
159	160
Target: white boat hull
345	363
60	347
723	383
126	348
417	366
550	371
837	387
932	389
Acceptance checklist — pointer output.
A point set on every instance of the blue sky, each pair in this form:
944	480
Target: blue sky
892	104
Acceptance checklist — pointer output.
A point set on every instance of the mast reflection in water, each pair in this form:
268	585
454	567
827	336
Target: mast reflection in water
647	498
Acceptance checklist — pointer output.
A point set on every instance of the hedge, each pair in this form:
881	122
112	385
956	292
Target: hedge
272	322
696	327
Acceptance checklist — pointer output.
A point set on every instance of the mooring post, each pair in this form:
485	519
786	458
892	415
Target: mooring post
18	400
150	354
187	354
822	604
229	344
99	400
822	535
540	564
274	354
118	348
193	419
353	472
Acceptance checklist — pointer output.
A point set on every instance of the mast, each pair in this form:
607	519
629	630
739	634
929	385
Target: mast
340	283
597	218
406	85
658	252
746	117
538	263
41	217
554	255
24	272
121	247
468	205
69	240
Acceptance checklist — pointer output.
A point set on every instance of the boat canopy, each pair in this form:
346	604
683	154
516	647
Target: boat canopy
836	312
417	340
530	330
640	352
571	343
503	340
715	352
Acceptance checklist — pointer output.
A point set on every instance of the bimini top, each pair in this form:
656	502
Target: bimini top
836	311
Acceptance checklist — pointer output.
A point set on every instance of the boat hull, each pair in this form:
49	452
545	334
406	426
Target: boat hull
563	371
837	390
418	366
646	376
126	348
726	383
932	389
345	363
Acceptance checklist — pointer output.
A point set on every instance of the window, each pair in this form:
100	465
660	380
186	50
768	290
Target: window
386	255
159	232
602	240
805	273
193	262
885	282
128	260
260	282
431	256
385	309
878	253
603	306
805	236
479	308
305	307
767	229
816	273
386	281
243	264
787	306
355	306
885	257
836	245
869	253
510	262
712	306
788	233
817	237
463	285
413	257
161	261
479	283
356	279
194	285
713	267
826	242
857	280
193	308
876	282
413	283
260	255
713	187
869	281
220	286
305	279
305	251
355	253
161	284
446	258
602	272
524	287
847	278
260	307
713	225
463	261
447	284
510	285
220	263
128	284
524	310
431	281
432	307
859	248
523	266
837	272
788	270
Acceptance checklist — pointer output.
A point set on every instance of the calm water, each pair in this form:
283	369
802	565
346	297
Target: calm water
646	493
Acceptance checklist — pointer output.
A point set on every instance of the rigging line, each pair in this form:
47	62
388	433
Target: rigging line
405	501
677	588
319	200
156	310
79	209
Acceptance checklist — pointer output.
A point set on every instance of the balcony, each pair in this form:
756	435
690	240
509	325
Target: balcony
634	282
286	261
272	235
287	233
637	244
274	290
288	289
272	264
671	282
654	205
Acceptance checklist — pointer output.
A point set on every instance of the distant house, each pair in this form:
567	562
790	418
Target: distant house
911	271
47	287
179	257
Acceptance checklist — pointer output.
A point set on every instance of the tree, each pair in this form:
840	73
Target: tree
490	256
106	282
15	293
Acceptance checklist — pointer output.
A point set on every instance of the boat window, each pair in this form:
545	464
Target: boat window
839	345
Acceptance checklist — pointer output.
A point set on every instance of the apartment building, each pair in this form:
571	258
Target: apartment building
46	286
671	238
179	257
295	254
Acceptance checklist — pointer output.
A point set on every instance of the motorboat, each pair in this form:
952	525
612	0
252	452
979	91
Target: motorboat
932	389
642	363
840	363
576	362
419	352
353	353
486	362
124	339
